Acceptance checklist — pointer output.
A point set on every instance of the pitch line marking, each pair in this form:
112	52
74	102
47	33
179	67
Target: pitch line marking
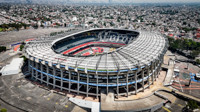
42	94
180	105
166	109
51	96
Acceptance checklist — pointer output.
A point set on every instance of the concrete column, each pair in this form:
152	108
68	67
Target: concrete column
136	81
97	88
148	77
78	83
118	85
159	69
69	81
36	71
41	77
32	74
47	71
143	79
29	68
54	79
107	85
87	84
61	83
155	70
127	83
152	76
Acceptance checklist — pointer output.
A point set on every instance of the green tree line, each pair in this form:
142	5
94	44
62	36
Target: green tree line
2	48
179	45
2	109
13	25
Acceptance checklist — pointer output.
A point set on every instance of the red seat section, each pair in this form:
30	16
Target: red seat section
30	39
16	47
86	54
86	44
80	51
98	50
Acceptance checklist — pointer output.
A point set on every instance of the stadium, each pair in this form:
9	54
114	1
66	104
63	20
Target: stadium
92	61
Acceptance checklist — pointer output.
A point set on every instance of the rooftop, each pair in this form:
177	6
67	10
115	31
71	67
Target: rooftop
145	49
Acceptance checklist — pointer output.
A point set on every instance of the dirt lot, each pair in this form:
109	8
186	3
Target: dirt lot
7	38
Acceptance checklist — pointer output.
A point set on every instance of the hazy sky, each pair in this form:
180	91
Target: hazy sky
107	1
165	0
140	1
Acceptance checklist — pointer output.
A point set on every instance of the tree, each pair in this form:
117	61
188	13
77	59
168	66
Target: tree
185	44
192	104
118	19
104	24
2	48
111	17
90	22
35	26
21	47
194	53
165	29
184	23
153	23
198	61
42	25
3	110
25	59
5	26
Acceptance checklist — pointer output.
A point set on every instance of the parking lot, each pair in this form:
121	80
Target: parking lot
20	94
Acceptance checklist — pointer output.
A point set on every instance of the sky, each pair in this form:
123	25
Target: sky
165	1
142	1
104	1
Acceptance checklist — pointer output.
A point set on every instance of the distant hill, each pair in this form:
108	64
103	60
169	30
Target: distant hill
15	1
35	1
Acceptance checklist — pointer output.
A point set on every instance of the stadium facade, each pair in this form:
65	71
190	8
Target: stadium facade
95	60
